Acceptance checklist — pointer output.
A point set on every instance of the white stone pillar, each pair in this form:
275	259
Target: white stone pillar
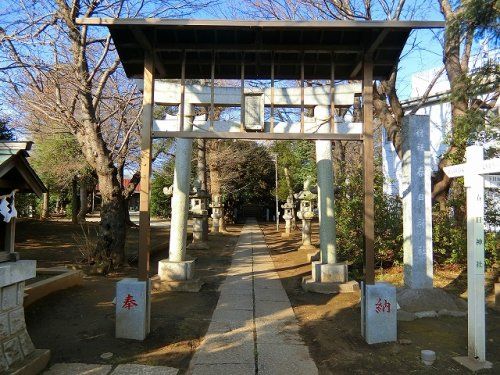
324	164
180	192
417	208
176	268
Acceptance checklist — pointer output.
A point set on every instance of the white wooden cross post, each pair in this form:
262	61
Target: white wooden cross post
475	172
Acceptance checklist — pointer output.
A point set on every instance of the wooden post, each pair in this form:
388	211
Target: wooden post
147	124
183	91
302	114
272	93
368	215
212	92
242	104
332	92
10	236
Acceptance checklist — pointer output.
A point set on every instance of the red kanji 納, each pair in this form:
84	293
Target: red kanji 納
382	307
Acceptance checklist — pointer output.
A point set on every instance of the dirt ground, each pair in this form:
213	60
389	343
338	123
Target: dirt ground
77	324
330	325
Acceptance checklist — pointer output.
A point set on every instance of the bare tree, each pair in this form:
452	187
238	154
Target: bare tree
458	43
70	75
387	106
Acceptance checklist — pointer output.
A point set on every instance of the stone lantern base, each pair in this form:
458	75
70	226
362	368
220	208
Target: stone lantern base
17	352
198	239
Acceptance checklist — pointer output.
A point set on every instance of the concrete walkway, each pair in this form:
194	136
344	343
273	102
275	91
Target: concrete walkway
253	328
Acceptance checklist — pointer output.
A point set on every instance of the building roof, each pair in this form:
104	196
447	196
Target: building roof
257	44
15	171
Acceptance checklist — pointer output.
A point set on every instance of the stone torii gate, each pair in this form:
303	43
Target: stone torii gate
254	101
260	50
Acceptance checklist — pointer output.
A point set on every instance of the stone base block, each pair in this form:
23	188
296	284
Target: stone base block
429	303
192	286
16	272
379	313
309	285
175	271
199	245
473	364
314	256
60	279
334	273
329	273
34	364
133	309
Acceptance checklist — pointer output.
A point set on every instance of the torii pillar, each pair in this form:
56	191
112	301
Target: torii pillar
328	275
177	269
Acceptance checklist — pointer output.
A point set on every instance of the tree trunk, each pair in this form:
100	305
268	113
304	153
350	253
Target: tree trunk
215	185
112	230
83	202
45	206
456	69
201	170
201	166
290	194
74	201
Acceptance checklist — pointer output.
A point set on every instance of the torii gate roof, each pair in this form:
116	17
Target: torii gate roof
317	43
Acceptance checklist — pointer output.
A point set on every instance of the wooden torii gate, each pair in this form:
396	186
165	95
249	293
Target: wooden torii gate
261	50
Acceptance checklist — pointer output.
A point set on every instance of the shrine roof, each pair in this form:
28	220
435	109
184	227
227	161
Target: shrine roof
257	44
15	171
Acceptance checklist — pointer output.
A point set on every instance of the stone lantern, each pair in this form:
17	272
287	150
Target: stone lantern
306	213
216	206
288	216
17	352
198	210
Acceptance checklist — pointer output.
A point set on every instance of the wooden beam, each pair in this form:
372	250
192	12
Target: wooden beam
257	135
283	61
144	197
278	25
146	44
236	47
368	169
369	52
